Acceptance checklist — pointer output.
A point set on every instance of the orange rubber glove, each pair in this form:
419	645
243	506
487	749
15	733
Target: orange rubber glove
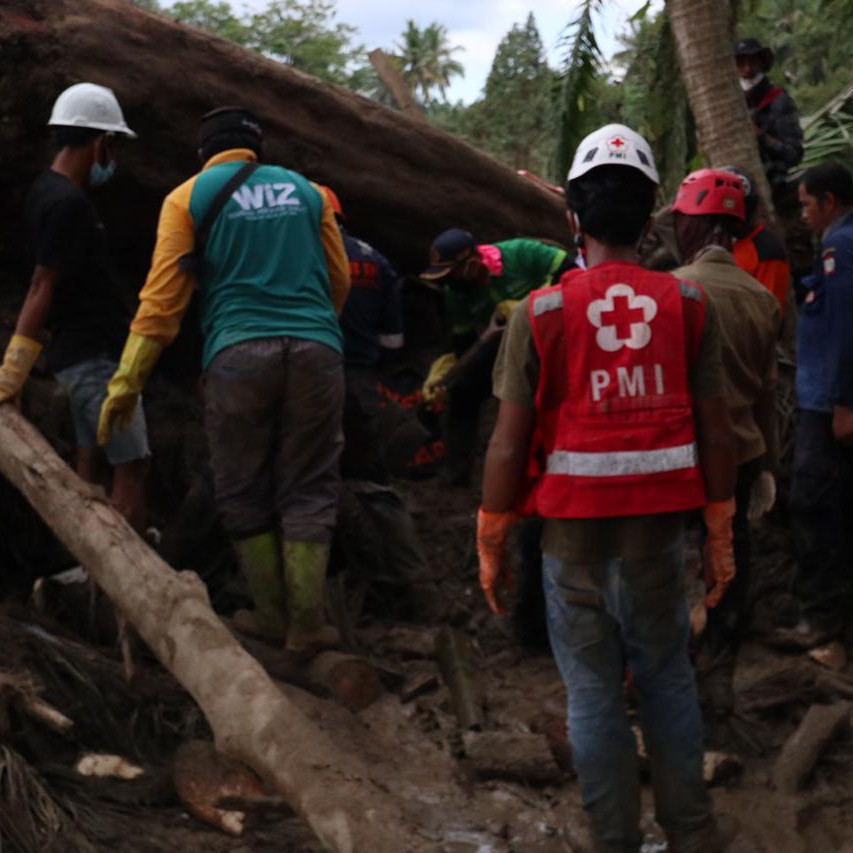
495	574
719	554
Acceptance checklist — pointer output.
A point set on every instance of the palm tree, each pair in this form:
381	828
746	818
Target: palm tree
426	60
702	31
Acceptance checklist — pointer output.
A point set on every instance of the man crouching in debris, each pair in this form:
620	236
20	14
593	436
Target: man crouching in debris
613	424
74	292
262	245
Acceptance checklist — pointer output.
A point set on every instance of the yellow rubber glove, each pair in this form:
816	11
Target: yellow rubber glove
495	574
719	554
137	361
503	310
21	355
434	391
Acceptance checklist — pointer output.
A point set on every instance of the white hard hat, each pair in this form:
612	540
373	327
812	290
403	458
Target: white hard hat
89	105
614	145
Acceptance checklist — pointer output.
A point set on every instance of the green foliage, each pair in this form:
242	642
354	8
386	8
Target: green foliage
425	59
581	67
811	40
150	5
217	18
513	119
654	100
300	33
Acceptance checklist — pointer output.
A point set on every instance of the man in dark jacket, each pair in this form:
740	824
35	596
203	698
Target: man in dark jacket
773	111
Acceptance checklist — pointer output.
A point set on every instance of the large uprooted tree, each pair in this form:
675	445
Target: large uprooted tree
400	181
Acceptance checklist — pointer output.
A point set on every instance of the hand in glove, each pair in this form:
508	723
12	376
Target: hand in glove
137	361
503	310
495	574
762	497
434	391
21	355
718	555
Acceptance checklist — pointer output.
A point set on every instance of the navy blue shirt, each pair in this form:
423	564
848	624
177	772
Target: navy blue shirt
825	327
372	317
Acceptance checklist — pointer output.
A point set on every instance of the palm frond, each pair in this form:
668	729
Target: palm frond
581	66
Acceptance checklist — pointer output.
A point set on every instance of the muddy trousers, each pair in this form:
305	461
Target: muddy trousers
273	410
604	618
821	507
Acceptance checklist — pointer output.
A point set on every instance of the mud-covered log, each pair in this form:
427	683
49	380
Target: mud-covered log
516	756
400	180
252	721
803	749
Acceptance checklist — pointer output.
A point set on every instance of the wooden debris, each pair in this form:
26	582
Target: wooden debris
787	683
832	656
555	731
417	684
803	749
454	660
407	642
518	757
204	777
720	767
107	766
252	720
350	680
44	713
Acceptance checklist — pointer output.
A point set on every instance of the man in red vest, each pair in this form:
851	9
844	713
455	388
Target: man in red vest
612	425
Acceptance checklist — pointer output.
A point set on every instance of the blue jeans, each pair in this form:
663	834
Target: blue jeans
604	618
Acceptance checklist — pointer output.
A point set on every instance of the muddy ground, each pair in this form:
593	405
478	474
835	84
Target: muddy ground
413	744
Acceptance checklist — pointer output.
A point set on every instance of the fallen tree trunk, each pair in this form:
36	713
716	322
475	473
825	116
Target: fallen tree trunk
251	720
400	180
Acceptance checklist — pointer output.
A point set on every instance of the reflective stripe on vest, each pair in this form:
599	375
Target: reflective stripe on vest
621	463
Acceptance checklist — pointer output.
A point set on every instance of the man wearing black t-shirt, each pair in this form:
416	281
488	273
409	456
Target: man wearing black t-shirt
74	293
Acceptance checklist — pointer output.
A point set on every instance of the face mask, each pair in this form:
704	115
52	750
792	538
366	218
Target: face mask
750	82
99	175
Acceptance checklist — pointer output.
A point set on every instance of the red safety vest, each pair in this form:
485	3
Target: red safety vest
614	418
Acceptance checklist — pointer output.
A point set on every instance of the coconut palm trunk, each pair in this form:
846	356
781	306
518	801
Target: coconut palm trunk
724	128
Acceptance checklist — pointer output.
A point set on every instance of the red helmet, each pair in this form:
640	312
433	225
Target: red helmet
711	191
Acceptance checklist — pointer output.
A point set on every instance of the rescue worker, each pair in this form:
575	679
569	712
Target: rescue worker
773	112
757	250
372	326
273	275
481	284
612	424
709	212
822	472
75	293
372	512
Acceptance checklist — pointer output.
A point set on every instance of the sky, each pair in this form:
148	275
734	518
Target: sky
476	25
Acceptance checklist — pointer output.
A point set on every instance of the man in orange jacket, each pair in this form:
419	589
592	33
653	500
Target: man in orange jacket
612	424
759	251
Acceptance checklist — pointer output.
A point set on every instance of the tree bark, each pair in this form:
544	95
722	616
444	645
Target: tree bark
400	181
724	128
251	720
393	79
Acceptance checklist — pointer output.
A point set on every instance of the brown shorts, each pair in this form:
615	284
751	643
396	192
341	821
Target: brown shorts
273	418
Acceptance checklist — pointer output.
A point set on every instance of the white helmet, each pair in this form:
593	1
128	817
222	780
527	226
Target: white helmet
614	145
89	105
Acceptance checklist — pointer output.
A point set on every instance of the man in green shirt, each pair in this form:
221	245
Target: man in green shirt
481	284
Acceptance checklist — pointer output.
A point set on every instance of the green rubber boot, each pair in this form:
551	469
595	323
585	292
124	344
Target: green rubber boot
305	575
260	561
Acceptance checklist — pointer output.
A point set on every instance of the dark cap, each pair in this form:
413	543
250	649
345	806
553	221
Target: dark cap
228	120
753	47
450	248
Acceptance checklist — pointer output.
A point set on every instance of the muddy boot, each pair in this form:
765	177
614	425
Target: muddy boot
260	561
305	575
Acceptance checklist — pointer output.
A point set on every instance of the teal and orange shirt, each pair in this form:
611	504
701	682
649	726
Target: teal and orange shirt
274	264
